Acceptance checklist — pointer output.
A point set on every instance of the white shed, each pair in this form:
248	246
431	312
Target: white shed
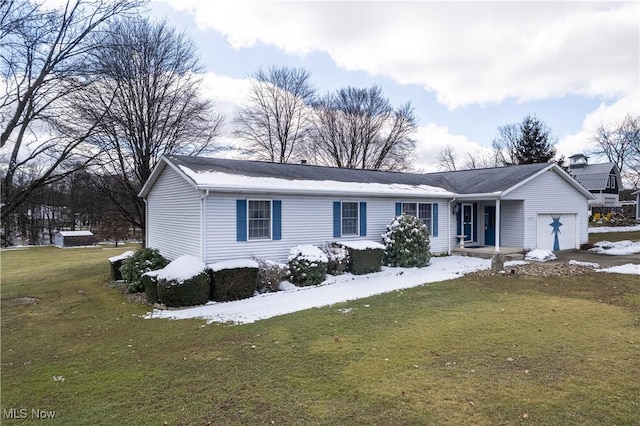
74	238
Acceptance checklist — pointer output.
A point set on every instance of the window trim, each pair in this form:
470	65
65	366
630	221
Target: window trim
342	217
270	237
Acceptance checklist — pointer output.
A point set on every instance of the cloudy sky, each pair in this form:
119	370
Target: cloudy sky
467	67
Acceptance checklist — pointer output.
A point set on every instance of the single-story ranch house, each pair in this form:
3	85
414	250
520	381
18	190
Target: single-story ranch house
220	209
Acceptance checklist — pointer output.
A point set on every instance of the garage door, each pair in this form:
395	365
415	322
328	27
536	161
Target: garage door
556	231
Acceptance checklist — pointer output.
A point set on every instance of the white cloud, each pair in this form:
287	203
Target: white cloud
432	139
466	52
615	112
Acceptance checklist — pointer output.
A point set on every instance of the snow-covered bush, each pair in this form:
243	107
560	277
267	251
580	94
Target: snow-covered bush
184	282
143	260
270	275
365	257
116	264
233	280
307	265
337	258
407	243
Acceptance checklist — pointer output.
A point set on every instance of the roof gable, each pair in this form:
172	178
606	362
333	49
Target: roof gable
596	176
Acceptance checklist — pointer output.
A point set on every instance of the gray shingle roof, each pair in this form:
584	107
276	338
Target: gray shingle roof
593	176
478	181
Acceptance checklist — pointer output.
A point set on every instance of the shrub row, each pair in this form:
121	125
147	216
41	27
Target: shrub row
187	281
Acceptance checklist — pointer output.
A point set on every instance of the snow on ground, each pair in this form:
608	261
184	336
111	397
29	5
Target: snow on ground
334	290
540	255
618	248
602	229
629	268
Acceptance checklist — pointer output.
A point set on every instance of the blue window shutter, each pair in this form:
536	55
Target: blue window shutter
434	220
475	222
241	220
276	222
337	219
398	209
363	219
459	219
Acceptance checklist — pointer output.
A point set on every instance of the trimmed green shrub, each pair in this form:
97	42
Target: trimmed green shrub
189	292
307	265
407	243
150	282
337	258
143	260
116	264
365	257
270	275
233	283
184	282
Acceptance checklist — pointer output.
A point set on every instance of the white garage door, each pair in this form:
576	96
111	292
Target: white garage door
557	231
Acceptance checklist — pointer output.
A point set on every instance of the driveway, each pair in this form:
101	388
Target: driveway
604	260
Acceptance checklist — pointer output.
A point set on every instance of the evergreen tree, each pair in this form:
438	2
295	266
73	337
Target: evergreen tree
527	142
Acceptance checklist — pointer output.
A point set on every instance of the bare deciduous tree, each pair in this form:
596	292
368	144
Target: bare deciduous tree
276	120
149	86
42	64
358	128
447	159
529	141
620	143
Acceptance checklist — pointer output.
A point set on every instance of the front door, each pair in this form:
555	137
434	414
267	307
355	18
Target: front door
490	225
467	221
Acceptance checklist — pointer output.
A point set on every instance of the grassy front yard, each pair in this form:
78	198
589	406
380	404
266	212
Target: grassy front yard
477	350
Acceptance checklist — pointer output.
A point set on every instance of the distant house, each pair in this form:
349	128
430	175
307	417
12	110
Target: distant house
221	209
602	180
74	238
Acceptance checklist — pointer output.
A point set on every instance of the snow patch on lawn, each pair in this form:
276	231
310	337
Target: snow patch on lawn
540	255
618	248
629	268
603	229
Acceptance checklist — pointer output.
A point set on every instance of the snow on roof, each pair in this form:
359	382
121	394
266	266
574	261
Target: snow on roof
76	233
221	180
123	256
182	268
360	244
233	264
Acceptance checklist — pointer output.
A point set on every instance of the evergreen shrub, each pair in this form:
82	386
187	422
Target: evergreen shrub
407	243
233	283
143	260
307	265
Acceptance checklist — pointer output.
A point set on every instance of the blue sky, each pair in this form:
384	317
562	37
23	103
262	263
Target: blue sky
466	67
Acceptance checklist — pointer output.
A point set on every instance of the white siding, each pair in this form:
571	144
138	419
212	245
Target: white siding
549	193
173	216
305	220
511	219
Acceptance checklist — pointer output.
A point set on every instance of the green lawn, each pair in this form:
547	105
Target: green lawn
477	351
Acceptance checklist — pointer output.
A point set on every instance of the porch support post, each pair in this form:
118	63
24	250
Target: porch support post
497	237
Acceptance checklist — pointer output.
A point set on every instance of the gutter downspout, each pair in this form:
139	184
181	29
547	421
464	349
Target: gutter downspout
449	226
203	226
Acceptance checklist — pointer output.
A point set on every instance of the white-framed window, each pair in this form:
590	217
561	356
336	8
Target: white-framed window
612	182
259	219
350	218
422	211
